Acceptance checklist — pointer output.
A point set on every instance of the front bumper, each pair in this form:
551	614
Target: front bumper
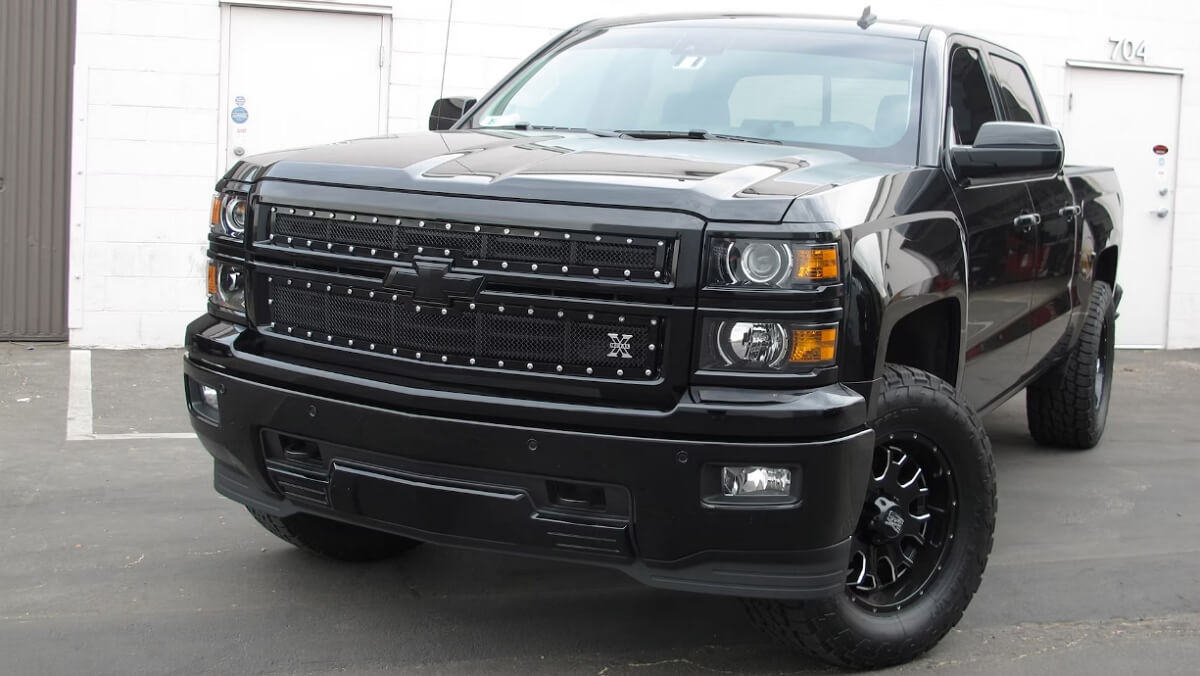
290	439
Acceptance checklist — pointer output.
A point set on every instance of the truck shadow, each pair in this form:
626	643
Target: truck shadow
1009	431
475	612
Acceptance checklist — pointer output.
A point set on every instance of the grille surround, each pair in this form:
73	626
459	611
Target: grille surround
516	338
540	251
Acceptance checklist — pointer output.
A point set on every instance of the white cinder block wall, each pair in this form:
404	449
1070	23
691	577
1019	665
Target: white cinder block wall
146	146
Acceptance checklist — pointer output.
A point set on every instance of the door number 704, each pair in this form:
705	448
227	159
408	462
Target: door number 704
1127	50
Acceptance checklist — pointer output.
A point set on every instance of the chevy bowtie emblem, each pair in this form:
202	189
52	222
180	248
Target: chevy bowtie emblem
618	346
430	281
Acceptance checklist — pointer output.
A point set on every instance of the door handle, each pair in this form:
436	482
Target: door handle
1161	213
1025	222
239	151
1071	211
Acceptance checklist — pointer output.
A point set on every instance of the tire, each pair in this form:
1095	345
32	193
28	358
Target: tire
1068	405
333	539
930	423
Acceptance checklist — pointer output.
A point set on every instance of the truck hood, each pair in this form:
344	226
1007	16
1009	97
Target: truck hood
713	179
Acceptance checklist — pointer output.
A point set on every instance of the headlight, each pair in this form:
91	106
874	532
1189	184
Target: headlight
227	286
229	215
757	346
772	264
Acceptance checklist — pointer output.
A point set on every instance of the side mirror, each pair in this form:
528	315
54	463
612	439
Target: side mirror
1009	150
448	111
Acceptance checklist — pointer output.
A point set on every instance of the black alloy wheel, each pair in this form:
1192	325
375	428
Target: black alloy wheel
905	526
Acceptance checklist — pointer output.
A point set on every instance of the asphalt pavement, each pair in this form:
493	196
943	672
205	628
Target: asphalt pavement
117	557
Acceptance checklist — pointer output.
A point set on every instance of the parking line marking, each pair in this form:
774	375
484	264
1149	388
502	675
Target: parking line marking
79	396
141	435
79	407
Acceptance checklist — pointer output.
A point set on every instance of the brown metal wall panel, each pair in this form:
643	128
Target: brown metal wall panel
37	49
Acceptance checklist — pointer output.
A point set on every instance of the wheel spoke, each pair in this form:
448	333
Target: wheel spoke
892	573
916	475
887	466
858	569
916	536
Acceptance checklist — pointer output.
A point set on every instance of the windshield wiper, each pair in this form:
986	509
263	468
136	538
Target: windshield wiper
525	126
692	134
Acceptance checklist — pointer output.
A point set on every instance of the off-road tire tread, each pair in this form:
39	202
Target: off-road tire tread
331	539
1058	405
817	629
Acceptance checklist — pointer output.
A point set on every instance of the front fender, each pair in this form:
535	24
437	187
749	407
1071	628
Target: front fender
899	265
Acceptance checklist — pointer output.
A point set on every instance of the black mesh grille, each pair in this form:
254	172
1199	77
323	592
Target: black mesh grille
534	250
619	255
372	321
394	238
363	235
465	242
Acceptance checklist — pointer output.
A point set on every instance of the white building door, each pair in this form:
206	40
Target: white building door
1130	120
297	78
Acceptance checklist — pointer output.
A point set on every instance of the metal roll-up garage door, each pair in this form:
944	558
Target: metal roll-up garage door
37	40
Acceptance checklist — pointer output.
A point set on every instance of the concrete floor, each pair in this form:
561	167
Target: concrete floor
116	557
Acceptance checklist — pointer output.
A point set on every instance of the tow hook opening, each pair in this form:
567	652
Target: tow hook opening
576	496
292	450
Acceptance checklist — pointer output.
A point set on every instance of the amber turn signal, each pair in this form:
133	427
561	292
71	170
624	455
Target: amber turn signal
216	211
817	264
212	278
810	346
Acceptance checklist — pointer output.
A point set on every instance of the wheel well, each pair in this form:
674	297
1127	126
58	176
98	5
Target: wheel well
928	339
1106	266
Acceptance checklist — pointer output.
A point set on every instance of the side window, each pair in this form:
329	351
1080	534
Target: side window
1016	91
970	101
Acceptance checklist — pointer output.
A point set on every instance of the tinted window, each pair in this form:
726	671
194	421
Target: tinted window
856	94
970	100
1016	91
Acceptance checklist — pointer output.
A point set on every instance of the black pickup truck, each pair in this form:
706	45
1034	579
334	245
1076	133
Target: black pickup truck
716	300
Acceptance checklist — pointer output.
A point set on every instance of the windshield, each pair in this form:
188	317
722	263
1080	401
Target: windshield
854	93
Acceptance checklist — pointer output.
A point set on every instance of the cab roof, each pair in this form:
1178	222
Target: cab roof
828	24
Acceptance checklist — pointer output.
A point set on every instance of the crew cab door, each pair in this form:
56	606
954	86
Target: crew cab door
1054	259
1001	244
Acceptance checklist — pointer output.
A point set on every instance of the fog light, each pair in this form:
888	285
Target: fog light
209	396
756	481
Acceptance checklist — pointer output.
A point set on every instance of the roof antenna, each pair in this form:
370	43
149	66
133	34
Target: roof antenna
867	19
